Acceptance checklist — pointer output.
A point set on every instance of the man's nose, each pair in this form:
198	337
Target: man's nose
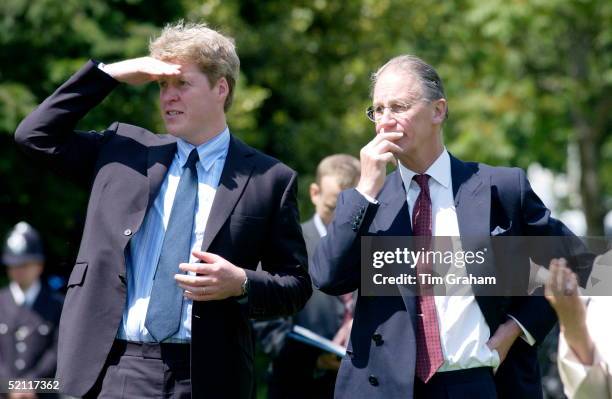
169	94
387	120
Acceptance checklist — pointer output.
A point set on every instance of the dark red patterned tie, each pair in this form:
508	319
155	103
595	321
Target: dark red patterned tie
429	350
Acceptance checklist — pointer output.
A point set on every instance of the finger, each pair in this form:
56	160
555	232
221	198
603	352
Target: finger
565	287
199	268
200	297
553	269
156	74
207	257
387	146
548	290
159	67
563	264
200	290
205	269
190	280
559	279
208	283
386	157
572	284
567	282
391	136
194	290
165	63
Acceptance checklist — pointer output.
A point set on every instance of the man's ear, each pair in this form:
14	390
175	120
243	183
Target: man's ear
439	111
222	88
315	191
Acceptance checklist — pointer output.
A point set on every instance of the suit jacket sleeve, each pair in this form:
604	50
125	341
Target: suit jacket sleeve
48	133
534	312
336	262
283	286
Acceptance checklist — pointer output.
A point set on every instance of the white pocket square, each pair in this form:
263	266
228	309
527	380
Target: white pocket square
498	230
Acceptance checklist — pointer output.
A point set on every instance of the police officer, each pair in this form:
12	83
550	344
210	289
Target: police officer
30	310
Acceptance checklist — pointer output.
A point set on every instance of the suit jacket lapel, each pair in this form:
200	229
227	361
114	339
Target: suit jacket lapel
236	173
393	218
159	159
472	196
473	203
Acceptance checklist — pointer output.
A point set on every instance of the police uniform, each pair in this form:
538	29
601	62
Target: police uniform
28	323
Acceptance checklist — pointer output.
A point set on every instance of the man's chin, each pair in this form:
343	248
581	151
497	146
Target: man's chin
173	131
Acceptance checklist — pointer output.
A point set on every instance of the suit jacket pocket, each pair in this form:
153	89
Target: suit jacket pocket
78	274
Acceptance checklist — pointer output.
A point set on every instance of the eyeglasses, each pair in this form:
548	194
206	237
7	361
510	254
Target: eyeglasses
374	113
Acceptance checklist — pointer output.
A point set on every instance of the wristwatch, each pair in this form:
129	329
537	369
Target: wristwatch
245	287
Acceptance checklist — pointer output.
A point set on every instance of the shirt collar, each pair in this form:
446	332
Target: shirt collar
209	151
28	297
318	222
439	171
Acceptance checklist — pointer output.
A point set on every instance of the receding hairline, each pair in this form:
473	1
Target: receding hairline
395	69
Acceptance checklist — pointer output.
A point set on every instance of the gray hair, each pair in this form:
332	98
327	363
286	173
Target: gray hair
427	75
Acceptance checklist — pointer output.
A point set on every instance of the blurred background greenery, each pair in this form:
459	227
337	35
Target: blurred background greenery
527	81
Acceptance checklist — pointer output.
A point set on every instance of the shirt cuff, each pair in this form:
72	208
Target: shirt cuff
525	335
101	66
370	199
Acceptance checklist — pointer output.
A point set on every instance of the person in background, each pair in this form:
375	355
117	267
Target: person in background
585	348
30	311
300	370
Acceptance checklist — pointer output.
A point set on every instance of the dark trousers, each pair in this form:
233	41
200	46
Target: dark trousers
134	370
475	383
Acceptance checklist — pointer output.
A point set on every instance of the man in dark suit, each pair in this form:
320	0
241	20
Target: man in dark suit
429	346
159	301
299	370
30	311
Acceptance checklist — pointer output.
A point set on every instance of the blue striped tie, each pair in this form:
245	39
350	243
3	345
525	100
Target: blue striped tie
164	312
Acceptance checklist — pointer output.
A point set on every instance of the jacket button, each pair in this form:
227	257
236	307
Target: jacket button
127	232
20	364
377	338
21	347
373	381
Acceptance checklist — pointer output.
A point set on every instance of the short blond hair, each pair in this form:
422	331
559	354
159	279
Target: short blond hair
213	52
343	167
